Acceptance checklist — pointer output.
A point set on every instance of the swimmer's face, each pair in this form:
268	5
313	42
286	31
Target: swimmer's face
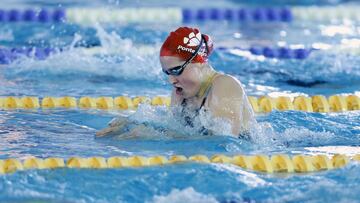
188	82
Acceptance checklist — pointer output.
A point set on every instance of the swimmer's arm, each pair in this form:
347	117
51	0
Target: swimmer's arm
228	100
125	128
115	126
147	131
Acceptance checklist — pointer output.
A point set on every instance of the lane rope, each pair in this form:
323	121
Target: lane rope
89	16
262	104
278	163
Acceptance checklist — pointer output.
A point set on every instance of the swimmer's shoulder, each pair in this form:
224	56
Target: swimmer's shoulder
224	83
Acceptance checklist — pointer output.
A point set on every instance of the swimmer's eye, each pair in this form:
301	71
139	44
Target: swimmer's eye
175	70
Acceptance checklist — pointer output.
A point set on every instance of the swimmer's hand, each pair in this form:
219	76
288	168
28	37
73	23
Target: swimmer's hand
140	130
115	127
123	128
145	131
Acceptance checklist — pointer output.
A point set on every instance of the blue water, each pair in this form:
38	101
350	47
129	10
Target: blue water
130	71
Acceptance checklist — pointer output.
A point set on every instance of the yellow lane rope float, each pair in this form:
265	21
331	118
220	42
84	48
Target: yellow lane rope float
278	163
263	104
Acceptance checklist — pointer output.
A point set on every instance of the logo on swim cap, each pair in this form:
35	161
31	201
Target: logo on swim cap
193	40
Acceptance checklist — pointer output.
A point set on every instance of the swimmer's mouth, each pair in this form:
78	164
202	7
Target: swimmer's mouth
178	90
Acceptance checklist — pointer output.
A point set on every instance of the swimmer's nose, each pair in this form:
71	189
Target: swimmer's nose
172	79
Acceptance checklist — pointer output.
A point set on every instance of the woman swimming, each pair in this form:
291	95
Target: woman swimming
197	86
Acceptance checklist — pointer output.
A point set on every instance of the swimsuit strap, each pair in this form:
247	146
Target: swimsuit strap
206	85
204	90
209	82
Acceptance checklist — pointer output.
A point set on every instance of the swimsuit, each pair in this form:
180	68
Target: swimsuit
189	116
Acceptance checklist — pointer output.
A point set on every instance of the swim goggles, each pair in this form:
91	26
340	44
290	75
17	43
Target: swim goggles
177	70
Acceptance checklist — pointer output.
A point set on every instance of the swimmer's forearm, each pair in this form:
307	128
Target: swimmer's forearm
108	131
115	127
123	128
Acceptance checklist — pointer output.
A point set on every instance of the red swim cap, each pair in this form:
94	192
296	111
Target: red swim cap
183	42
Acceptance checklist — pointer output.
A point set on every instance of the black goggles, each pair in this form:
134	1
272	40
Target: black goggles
177	70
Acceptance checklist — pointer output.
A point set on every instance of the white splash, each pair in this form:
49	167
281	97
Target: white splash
116	56
251	179
170	118
263	135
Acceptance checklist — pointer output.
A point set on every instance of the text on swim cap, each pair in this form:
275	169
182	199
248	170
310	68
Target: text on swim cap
201	52
186	49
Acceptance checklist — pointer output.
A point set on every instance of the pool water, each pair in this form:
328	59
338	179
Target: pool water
122	67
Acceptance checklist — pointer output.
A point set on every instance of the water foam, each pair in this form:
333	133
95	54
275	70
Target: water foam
265	137
116	56
171	119
163	122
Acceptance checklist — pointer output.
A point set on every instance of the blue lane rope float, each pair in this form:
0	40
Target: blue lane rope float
31	15
8	55
237	15
278	163
262	104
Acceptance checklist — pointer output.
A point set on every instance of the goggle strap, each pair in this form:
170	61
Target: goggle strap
206	44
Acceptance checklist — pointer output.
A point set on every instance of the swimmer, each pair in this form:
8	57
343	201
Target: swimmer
197	86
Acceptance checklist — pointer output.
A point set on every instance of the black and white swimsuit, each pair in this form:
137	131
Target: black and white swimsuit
189	118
